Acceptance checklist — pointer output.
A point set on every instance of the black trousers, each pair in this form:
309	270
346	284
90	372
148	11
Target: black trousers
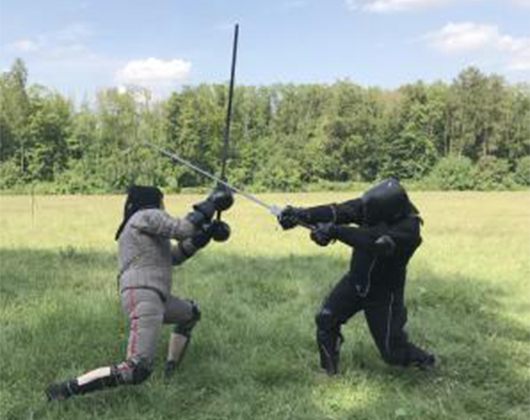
385	314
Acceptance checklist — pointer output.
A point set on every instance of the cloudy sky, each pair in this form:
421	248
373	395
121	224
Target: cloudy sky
79	46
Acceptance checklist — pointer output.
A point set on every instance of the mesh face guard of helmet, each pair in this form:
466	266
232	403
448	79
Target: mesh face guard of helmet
139	197
385	202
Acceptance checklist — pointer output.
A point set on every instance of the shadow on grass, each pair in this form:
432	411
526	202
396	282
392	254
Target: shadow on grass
253	354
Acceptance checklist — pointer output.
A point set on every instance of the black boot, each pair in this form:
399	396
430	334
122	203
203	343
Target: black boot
329	348
421	359
427	363
61	391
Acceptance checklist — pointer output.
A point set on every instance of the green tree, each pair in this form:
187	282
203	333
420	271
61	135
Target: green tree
48	130
410	151
14	114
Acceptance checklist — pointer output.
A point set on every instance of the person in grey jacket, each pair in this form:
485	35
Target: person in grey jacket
146	257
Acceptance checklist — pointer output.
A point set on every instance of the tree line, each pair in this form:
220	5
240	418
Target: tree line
472	133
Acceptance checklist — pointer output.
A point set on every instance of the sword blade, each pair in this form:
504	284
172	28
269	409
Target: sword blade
275	210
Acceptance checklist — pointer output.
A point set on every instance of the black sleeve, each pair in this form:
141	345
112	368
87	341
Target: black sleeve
340	214
349	212
406	233
359	238
401	236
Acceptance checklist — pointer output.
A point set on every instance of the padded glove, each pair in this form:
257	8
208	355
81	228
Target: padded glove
291	217
323	234
219	231
221	197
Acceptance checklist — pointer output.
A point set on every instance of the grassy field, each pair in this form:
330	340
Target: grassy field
253	354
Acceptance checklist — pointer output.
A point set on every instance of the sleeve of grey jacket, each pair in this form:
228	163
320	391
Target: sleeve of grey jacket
158	222
182	251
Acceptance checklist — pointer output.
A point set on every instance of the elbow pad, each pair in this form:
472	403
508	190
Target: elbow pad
385	245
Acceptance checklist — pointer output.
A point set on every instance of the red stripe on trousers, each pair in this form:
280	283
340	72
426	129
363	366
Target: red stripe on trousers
134	324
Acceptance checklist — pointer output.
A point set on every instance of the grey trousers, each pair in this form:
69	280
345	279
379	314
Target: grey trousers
147	312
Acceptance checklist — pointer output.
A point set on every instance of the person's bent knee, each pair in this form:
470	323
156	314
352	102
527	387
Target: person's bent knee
134	371
186	327
325	320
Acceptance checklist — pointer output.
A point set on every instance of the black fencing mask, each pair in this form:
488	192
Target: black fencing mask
385	202
139	197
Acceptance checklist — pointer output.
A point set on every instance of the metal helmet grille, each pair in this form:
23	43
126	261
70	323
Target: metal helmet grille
385	202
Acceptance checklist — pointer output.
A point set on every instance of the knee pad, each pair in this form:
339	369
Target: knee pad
133	371
141	371
185	328
326	320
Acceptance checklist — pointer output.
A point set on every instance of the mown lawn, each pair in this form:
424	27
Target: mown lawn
253	354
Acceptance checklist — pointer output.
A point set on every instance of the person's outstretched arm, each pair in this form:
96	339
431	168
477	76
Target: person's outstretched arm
381	239
350	211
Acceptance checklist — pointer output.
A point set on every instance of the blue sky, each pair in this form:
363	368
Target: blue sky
79	46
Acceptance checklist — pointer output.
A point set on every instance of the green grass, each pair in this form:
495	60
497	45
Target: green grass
253	354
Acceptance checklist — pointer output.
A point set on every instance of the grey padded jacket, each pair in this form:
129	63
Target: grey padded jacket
145	253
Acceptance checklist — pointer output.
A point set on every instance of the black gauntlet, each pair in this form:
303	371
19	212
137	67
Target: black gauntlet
323	234
219	230
291	217
222	198
219	200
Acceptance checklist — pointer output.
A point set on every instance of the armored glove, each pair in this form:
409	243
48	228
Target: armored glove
219	199
291	217
217	230
323	233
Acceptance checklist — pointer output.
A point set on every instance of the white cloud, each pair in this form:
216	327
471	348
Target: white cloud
471	37
464	36
23	46
385	6
65	43
154	73
523	3
390	6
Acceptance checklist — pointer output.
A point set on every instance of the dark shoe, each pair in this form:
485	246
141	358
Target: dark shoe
329	349
427	363
169	368
59	392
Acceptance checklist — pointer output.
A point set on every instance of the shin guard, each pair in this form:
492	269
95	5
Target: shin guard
178	344
91	381
179	341
329	340
132	371
329	350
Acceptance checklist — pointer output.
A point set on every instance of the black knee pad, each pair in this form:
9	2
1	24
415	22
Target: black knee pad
326	320
133	371
141	371
185	328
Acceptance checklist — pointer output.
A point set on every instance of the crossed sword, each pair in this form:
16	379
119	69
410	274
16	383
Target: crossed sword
272	208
